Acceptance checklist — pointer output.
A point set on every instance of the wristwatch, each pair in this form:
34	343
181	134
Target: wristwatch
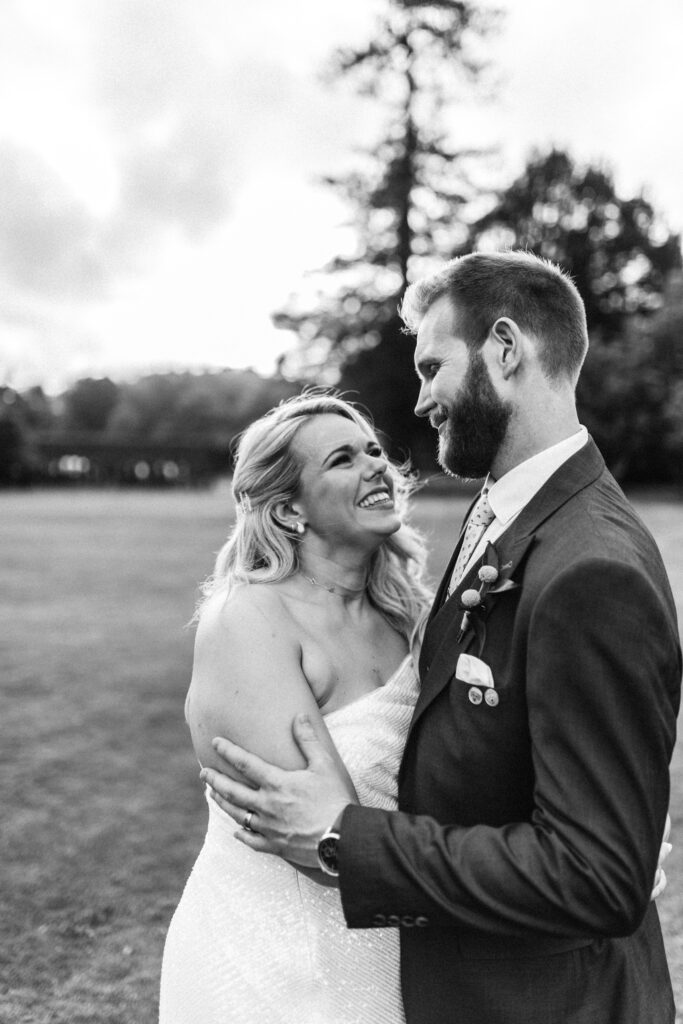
328	852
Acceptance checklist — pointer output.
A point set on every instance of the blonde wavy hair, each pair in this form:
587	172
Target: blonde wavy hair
260	549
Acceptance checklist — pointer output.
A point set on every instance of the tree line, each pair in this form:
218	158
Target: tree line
108	432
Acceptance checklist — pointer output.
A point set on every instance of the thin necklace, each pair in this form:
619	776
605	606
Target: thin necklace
345	592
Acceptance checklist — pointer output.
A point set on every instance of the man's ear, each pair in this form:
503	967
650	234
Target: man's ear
288	515
507	345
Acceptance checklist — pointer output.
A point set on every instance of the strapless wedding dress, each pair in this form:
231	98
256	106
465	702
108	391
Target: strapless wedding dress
253	941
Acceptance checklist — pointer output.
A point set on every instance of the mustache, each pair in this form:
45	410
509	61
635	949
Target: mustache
438	417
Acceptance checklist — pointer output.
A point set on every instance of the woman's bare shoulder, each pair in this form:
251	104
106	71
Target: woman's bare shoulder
249	609
247	682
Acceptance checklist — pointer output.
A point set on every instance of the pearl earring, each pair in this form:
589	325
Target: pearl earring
300	528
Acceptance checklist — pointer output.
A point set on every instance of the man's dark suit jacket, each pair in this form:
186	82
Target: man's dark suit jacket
520	863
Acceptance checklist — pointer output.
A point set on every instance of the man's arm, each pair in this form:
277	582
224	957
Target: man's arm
602	693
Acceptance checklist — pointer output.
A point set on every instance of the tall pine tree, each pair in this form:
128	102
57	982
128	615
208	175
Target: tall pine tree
406	198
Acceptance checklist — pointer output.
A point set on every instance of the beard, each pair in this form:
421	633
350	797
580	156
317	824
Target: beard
476	426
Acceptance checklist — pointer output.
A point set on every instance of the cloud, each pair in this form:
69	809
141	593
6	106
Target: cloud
137	72
48	241
180	179
176	105
161	98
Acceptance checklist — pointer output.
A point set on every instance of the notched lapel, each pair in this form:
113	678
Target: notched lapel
507	558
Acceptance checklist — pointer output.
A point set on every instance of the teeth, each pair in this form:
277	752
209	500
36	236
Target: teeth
373	499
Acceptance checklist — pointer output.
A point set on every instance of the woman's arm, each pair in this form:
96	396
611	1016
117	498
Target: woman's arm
247	682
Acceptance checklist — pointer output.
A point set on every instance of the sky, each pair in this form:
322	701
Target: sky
159	160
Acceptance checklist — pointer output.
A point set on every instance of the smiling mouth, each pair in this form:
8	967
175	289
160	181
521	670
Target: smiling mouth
377	498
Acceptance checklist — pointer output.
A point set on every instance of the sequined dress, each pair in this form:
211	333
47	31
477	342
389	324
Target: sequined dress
253	940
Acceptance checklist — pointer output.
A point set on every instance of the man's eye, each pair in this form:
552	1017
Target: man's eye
428	371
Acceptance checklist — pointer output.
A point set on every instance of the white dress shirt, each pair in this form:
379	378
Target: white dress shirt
512	492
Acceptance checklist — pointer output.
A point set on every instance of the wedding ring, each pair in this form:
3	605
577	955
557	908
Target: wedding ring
246	824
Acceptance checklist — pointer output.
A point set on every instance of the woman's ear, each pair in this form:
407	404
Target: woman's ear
506	338
289	516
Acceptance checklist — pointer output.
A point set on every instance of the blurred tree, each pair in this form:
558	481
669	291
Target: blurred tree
222	404
208	407
13	456
17	457
618	251
38	410
405	194
89	404
147	407
631	394
626	264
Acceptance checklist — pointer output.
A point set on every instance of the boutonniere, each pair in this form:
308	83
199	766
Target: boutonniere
493	579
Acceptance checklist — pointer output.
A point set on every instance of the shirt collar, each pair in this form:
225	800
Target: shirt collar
516	488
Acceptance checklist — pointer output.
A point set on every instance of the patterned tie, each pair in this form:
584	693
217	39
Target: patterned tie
482	516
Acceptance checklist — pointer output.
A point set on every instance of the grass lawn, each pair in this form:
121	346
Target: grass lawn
102	808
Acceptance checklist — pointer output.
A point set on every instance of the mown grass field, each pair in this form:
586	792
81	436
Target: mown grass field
102	813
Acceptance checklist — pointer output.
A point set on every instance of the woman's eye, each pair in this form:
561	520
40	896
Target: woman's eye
340	459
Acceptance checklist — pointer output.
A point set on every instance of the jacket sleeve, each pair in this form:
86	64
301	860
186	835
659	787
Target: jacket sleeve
603	677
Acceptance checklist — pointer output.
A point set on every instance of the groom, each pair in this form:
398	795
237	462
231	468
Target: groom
534	784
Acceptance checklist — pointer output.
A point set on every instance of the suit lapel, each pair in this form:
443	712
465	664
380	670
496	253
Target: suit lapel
511	548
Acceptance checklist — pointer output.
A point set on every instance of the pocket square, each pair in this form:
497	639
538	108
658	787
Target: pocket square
474	671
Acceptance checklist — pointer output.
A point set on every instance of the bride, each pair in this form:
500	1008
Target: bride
314	606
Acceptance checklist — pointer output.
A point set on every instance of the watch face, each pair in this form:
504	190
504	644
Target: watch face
327	851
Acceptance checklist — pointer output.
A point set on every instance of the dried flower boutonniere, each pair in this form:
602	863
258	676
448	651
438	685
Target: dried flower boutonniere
471	598
493	579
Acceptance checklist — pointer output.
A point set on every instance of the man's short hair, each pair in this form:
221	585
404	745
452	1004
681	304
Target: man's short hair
535	293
